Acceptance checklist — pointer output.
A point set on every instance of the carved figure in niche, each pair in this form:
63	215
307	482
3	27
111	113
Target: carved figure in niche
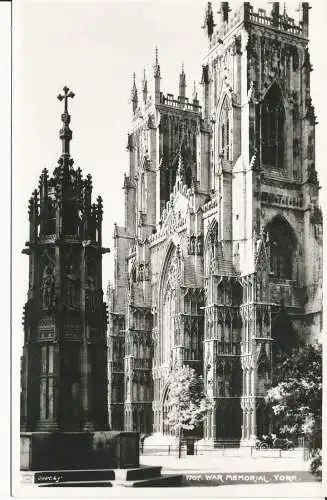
71	287
47	287
200	244
275	57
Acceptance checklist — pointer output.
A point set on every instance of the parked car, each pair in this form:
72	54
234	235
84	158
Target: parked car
272	441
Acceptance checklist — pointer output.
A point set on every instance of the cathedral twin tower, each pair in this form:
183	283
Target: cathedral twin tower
219	262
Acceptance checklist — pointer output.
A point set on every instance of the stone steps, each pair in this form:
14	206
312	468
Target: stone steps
76	484
169	480
137	477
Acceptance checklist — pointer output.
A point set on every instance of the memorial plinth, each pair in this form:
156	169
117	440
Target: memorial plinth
43	451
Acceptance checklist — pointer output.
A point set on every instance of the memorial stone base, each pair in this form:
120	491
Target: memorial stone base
42	451
108	459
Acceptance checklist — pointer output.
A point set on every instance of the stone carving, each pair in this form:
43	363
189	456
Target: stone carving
174	273
48	282
238	45
151	121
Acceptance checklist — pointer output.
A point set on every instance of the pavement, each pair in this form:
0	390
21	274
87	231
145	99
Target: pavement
212	475
256	476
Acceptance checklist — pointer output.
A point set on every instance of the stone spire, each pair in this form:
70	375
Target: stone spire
181	167
156	66
180	174
305	18
134	95
182	83
275	13
224	11
195	95
209	21
157	77
145	87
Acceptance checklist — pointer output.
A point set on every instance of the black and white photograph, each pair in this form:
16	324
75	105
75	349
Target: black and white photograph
167	248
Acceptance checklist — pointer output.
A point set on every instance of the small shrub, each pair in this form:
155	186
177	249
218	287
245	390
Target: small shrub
316	464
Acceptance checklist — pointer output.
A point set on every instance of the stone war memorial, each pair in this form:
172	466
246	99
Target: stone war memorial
64	411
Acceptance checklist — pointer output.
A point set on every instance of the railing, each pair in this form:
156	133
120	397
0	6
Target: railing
162	450
218	449
180	103
283	23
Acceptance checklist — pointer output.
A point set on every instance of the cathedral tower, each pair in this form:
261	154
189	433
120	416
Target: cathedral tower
64	364
221	252
264	287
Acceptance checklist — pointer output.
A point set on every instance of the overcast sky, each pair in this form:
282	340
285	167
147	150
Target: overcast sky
94	48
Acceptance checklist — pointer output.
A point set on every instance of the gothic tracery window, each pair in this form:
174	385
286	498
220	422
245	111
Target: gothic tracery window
272	128
224	130
169	307
168	322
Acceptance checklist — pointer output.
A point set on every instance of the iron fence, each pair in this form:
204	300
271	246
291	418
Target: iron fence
219	449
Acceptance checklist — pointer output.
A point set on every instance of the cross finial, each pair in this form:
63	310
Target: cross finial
67	93
65	133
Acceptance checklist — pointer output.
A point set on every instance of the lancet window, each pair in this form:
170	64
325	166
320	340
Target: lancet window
273	128
224	131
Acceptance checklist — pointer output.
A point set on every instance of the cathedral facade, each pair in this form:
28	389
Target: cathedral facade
219	262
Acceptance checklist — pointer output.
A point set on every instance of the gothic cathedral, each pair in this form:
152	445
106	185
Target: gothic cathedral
219	262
